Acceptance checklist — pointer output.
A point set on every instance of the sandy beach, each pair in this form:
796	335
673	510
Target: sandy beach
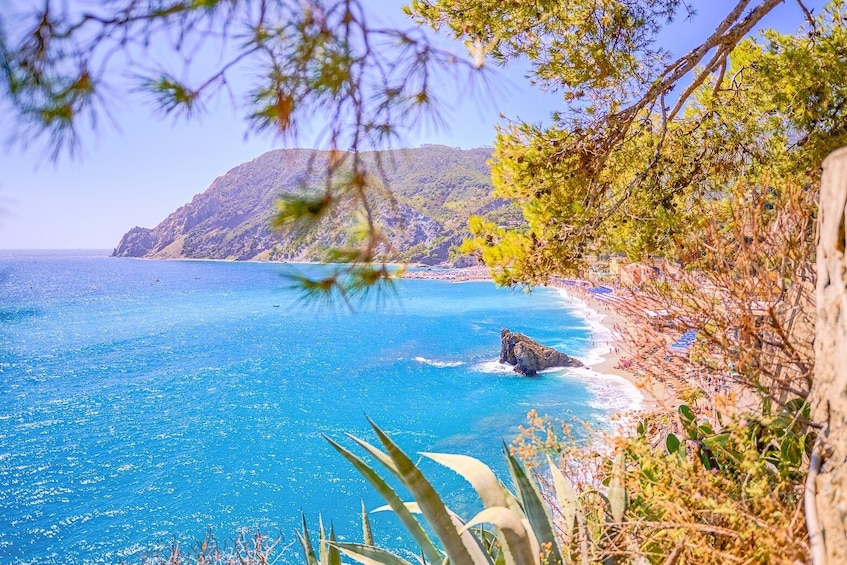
655	394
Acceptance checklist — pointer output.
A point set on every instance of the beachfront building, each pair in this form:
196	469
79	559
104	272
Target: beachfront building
633	274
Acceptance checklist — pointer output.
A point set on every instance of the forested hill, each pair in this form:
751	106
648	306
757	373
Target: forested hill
436	189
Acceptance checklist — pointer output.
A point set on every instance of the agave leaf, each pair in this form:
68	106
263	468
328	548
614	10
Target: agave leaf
322	542
367	534
387	493
377	454
566	496
475	545
334	554
533	541
306	542
514	535
617	492
534	507
369	555
477	473
410	506
489	541
582	529
430	503
512	503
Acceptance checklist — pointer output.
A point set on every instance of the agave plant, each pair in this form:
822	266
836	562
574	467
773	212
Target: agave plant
521	532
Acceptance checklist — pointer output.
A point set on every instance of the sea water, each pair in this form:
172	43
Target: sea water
145	403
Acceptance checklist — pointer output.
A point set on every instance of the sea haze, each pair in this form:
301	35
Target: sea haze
143	402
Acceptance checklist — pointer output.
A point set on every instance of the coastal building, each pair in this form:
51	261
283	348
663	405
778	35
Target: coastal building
633	274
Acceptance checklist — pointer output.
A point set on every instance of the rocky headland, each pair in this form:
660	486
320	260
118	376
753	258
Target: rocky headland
433	190
529	357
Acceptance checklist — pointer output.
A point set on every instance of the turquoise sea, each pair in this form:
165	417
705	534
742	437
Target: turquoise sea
147	402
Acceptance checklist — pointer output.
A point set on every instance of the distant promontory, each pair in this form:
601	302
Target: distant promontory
436	189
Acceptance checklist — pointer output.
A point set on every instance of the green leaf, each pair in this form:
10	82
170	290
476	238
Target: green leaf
791	451
799	407
303	211
490	542
686	413
430	502
369	555
703	453
718	440
672	443
322	543
534	507
387	493
477	473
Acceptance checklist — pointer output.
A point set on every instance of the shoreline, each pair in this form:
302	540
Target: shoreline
606	324
600	315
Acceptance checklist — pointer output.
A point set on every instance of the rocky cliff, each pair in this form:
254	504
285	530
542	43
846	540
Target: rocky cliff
529	357
436	189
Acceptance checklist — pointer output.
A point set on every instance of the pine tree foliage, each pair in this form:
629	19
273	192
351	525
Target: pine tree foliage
604	180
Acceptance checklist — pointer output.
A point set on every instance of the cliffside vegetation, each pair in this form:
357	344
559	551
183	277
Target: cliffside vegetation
710	159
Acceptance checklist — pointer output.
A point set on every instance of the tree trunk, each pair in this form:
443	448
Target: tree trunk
829	389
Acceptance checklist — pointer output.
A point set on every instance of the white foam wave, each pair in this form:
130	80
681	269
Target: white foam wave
592	318
493	367
611	392
439	364
596	355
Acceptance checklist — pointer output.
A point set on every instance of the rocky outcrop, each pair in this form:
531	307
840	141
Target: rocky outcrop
136	243
529	357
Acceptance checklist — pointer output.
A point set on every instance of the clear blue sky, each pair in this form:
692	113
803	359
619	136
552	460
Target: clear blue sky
138	174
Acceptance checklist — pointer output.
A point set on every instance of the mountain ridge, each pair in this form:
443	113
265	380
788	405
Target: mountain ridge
436	188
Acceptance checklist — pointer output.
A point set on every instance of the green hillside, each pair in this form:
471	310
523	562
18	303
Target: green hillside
436	189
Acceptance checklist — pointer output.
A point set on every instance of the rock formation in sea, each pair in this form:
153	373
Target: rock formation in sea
529	357
435	189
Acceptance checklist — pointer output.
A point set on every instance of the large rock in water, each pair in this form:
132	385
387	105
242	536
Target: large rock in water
529	357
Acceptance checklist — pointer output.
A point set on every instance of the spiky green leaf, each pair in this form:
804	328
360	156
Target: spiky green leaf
388	494
534	507
367	534
377	454
477	473
369	555
333	555
476	545
515	535
565	495
617	492
430	502
306	543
